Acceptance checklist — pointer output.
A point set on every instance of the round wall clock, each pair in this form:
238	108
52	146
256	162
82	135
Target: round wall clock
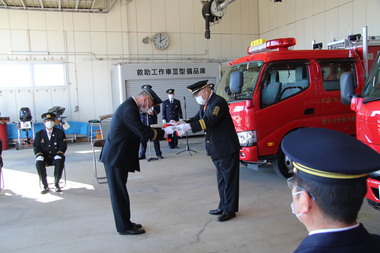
161	41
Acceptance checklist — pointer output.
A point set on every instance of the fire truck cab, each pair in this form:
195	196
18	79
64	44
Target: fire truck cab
367	108
275	90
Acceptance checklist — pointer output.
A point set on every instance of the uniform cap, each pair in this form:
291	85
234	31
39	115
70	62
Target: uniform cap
170	91
49	115
322	154
146	85
194	88
156	100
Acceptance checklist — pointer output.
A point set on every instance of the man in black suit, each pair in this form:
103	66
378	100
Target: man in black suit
149	119
171	111
223	144
328	187
120	154
49	148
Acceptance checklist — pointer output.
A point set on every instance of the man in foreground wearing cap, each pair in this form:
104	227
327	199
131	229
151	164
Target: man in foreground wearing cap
120	154
49	148
328	188
171	111
215	119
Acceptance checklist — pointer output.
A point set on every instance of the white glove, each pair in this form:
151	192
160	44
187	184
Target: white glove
180	119
183	128
163	121
57	157
168	130
172	121
39	158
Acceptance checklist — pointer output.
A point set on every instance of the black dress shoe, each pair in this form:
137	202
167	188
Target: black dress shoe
57	189
46	190
133	231
142	157
216	212
226	216
160	157
136	225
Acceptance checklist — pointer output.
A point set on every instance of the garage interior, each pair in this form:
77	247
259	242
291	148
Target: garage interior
170	197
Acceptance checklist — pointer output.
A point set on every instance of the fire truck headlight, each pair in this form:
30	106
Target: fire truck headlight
247	139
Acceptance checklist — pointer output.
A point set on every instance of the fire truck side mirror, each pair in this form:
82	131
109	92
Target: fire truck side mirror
347	88
236	82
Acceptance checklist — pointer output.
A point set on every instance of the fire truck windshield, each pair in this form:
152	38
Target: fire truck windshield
250	70
372	87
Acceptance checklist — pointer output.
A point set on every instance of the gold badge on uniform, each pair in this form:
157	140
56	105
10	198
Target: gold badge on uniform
42	141
216	111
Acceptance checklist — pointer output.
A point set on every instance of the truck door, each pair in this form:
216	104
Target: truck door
287	101
335	114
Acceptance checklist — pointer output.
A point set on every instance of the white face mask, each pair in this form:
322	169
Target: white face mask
170	97
200	100
144	109
49	124
294	212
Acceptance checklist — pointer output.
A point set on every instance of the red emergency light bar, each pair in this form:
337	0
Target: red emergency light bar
279	44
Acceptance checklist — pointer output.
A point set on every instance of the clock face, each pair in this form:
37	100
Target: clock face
161	41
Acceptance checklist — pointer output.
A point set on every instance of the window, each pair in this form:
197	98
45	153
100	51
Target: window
283	80
250	70
331	71
16	75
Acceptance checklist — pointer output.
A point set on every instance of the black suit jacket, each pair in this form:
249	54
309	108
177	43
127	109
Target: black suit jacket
121	148
219	129
171	111
57	144
350	241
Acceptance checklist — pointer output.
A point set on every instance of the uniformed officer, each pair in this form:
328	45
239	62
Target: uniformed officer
49	148
223	143
149	119
120	154
328	188
171	111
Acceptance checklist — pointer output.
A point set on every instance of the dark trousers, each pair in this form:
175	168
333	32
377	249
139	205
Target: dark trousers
173	143
156	147
117	184
58	169
228	182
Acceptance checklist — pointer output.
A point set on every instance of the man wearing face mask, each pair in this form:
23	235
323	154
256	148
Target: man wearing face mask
120	154
49	148
328	187
223	144
171	111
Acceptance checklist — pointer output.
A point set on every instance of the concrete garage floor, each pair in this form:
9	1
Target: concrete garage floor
170	197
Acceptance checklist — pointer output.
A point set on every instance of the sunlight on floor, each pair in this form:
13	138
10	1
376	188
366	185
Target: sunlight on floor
27	185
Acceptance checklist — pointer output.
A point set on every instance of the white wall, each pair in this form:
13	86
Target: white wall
320	20
90	43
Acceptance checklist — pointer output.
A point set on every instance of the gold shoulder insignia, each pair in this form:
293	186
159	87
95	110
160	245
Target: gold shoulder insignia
216	111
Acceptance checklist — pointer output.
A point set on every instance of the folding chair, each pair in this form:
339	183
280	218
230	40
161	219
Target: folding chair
96	146
62	181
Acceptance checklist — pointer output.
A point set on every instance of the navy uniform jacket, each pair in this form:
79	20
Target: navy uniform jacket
57	144
171	111
152	119
350	241
121	148
219	129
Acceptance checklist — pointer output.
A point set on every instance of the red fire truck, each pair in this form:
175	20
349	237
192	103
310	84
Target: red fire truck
275	90
367	108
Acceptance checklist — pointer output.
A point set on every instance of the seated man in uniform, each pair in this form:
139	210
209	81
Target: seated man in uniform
328	188
49	148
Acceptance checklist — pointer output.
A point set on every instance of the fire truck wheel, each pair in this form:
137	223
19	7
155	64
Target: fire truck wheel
282	165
